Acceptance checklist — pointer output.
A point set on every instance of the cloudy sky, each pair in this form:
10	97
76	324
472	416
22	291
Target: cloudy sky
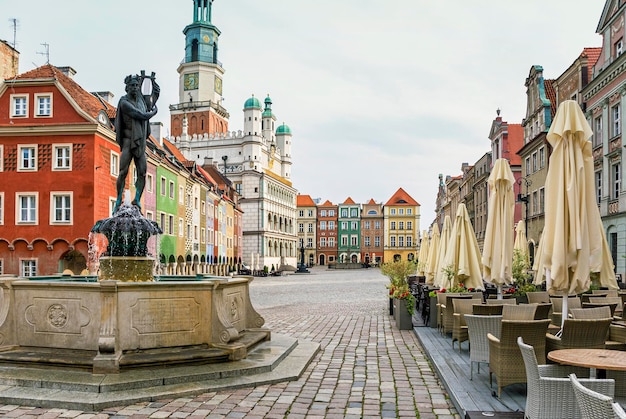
378	94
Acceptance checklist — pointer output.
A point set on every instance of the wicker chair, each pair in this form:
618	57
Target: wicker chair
549	393
608	293
462	306
519	312
594	404
505	358
580	333
477	329
557	306
542	310
507	301
487	309
448	310
616	338
609	300
538	297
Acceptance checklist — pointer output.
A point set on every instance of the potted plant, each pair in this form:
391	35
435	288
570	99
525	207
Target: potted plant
521	277
403	300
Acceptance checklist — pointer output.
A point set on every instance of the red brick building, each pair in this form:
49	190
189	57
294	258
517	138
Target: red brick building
327	239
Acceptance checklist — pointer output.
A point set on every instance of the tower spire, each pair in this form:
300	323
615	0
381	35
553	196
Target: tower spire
202	11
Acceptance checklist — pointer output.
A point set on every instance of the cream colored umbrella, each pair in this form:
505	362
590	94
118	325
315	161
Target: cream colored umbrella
446	229
431	262
423	254
574	244
463	254
521	242
497	255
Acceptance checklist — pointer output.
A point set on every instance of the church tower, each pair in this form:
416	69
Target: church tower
200	78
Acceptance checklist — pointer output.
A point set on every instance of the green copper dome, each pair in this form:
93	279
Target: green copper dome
267	113
283	129
252	103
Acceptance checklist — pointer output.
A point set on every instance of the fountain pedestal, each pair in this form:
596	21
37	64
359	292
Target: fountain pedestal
126	268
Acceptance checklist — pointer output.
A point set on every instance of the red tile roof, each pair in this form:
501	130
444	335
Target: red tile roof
592	54
327	204
88	102
371	202
304	201
401	198
349	201
174	150
516	142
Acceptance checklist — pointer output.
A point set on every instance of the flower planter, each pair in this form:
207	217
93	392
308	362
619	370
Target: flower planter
521	299
404	321
391	306
432	319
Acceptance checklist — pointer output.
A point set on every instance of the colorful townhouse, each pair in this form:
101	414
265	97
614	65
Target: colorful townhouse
349	232
401	215
307	228
372	232
327	239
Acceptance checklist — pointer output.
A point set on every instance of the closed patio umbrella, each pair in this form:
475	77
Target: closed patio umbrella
497	255
463	254
574	244
446	229
521	241
431	261
423	254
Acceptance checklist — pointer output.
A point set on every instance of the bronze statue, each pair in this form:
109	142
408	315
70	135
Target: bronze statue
132	128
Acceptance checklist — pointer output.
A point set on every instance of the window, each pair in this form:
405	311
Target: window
301	228
331	242
28	157
331	213
1	158
181	230
354	241
393	211
344	213
534	157
171	190
150	215
301	213
323	213
149	180
353	212
26	208
400	241
344	225
527	164
409	211
542	200
401	211
409	241
162	221
1	208
366	225
392	241
616	123
323	242
188	230
19	106
310	228
366	241
331	225
344	240
401	225
310	213
542	157
409	225
355	225
598	187
162	186
44	104
62	157
1	268
377	225
170	225
616	177
377	241
309	242
619	47
597	131
115	165
29	267
202	235
322	225
203	208
60	207
181	195
535	205
393	225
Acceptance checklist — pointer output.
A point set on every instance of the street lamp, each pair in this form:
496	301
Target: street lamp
524	198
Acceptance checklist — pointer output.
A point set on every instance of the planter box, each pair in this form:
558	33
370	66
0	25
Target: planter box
391	306
404	321
432	319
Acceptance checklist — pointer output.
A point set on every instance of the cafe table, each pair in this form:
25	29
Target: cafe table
599	359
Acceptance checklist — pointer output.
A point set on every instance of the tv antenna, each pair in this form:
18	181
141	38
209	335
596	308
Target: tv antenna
14	22
46	53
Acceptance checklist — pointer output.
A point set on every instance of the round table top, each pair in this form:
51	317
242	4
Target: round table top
605	359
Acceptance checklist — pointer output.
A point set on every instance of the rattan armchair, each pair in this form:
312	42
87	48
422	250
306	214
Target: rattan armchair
542	310
538	297
519	312
487	309
580	333
505	358
503	301
594	404
478	327
462	306
549	393
619	305
448	310
557	306
616	338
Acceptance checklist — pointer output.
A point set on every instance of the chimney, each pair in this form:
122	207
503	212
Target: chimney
68	71
156	129
106	96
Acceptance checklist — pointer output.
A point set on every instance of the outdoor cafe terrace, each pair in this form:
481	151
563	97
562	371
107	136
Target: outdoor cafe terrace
453	328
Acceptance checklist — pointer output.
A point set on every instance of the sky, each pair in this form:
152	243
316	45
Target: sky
378	94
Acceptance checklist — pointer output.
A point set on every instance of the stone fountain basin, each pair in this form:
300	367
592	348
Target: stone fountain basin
110	325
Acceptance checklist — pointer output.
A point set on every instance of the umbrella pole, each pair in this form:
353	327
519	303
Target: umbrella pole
499	292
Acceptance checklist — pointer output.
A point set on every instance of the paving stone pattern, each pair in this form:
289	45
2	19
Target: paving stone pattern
367	368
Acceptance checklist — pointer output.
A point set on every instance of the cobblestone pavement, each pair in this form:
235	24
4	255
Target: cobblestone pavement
366	368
